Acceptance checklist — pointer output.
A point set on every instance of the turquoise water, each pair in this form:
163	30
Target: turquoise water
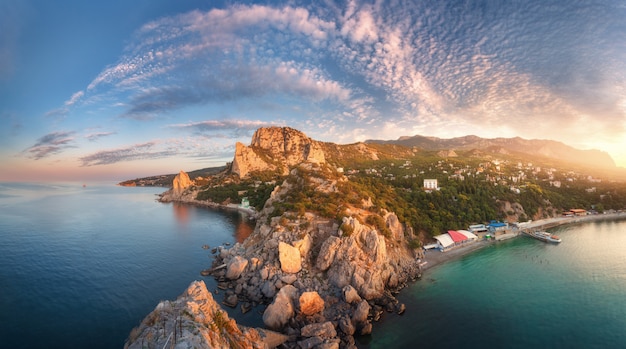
80	267
520	293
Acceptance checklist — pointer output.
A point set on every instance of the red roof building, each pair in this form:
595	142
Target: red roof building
456	236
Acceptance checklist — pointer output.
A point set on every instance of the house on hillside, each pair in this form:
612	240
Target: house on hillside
430	184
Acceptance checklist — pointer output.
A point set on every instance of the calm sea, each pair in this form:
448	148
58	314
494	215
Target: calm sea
520	293
80	267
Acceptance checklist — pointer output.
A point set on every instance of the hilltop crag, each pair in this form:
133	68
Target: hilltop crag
275	149
325	268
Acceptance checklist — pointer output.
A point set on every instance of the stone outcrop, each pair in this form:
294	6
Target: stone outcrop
195	320
275	148
181	190
181	182
332	282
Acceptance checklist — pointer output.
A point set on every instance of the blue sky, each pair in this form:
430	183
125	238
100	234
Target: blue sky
112	90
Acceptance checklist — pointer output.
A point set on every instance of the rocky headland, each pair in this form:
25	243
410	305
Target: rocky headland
322	279
331	248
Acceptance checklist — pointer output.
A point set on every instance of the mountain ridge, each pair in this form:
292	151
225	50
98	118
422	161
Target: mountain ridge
547	148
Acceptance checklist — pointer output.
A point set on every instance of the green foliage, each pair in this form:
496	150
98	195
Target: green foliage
347	229
379	224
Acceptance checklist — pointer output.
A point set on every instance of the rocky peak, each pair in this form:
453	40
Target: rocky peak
181	182
276	148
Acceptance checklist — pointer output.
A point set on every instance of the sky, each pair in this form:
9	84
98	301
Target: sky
115	90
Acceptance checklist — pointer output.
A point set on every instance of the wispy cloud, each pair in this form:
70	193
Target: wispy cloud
92	137
50	144
235	128
142	151
360	67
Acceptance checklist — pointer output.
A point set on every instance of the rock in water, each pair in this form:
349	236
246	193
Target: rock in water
289	257
235	267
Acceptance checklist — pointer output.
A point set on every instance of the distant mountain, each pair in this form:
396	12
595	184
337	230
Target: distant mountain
535	147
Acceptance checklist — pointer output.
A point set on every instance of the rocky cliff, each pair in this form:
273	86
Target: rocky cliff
195	320
275	149
324	281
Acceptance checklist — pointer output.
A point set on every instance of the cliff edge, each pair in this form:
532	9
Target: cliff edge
195	320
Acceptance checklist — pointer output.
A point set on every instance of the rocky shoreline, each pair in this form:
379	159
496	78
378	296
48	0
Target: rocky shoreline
322	283
305	276
323	275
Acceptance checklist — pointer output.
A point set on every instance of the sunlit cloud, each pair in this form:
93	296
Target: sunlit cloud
359	70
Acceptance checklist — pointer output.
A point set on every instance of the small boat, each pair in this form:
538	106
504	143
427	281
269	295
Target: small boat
545	236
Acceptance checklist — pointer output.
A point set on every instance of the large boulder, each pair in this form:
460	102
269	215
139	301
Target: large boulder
327	253
322	330
289	258
282	309
311	303
235	267
350	295
361	312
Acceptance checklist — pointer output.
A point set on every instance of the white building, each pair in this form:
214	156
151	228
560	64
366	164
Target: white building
430	184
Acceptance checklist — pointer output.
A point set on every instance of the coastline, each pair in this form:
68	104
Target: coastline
434	257
166	197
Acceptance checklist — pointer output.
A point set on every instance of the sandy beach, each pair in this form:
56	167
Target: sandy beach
435	257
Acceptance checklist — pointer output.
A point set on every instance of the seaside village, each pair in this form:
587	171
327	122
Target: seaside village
498	172
495	230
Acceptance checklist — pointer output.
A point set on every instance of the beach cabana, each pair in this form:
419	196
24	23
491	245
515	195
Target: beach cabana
444	241
469	235
457	237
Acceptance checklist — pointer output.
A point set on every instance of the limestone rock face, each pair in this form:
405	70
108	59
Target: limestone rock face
246	160
281	147
192	316
327	253
181	182
311	303
235	267
282	309
289	258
